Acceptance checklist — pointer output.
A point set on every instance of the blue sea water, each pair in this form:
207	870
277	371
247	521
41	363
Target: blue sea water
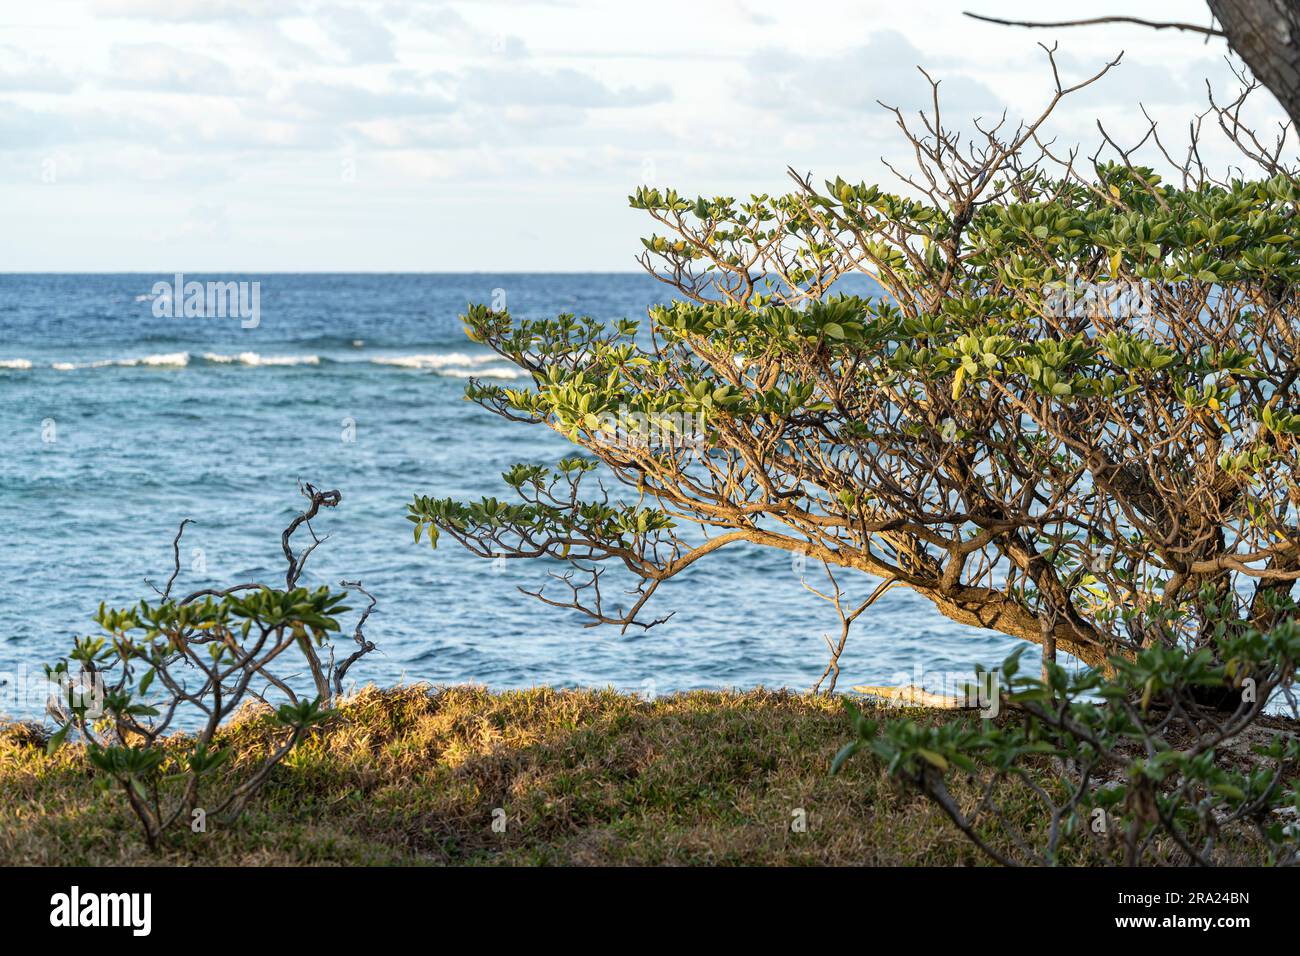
117	423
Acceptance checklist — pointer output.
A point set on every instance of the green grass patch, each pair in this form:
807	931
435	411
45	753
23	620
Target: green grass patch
413	775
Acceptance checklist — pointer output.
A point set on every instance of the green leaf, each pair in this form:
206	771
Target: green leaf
56	741
932	758
1229	791
847	751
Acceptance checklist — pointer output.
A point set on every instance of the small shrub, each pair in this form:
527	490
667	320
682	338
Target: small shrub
155	663
1138	762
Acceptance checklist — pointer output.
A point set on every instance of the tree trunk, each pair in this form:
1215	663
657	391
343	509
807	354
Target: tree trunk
1266	34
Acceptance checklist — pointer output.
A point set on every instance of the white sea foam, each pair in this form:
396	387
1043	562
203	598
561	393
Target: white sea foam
162	360
167	359
435	360
74	366
501	372
450	364
253	358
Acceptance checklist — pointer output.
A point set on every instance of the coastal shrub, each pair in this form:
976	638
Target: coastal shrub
1135	765
191	663
1066	407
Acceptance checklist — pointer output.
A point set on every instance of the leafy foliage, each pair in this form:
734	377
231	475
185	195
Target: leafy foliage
1069	410
199	656
1129	763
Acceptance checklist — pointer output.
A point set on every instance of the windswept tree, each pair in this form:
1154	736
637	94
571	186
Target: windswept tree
1067	412
1264	33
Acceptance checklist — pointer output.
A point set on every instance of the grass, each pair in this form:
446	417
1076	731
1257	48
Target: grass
413	775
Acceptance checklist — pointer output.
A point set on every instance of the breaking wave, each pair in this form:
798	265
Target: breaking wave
449	364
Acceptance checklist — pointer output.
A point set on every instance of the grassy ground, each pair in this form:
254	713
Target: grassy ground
411	776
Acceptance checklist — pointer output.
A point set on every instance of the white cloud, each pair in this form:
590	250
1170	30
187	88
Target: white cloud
518	128
165	68
21	72
855	81
192	10
342	102
363	38
528	86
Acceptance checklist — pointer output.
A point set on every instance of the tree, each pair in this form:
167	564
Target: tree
1069	412
1264	33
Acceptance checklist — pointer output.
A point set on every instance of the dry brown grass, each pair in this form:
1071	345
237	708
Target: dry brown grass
413	775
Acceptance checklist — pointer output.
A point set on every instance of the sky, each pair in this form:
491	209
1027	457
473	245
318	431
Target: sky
405	135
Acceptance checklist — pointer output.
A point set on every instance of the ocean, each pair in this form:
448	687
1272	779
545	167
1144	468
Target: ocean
118	422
